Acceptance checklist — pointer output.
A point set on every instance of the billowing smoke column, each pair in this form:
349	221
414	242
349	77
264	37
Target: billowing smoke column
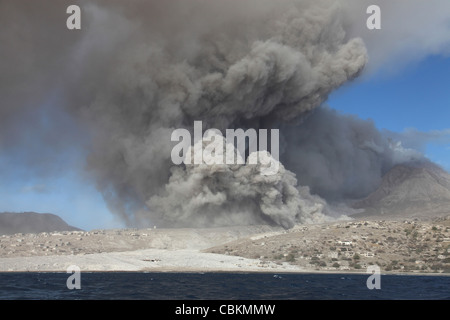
139	70
223	194
258	64
341	157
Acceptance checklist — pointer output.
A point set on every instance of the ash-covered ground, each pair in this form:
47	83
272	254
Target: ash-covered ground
350	246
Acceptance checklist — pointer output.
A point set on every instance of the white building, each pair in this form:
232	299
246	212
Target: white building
368	254
345	243
333	254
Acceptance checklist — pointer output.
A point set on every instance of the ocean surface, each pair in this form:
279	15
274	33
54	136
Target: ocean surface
220	286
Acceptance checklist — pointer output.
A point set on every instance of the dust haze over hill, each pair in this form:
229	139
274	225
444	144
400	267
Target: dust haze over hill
137	71
415	189
31	222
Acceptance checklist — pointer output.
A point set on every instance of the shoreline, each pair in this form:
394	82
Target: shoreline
282	272
352	246
135	263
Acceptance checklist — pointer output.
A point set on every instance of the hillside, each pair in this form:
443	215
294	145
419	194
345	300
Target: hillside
400	246
344	246
32	222
418	190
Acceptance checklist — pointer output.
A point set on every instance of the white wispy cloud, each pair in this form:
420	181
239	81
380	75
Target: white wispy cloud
38	188
414	138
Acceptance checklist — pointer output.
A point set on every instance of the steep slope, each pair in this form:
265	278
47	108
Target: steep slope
31	222
410	190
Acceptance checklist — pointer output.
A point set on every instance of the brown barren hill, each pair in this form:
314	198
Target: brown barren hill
414	190
32	222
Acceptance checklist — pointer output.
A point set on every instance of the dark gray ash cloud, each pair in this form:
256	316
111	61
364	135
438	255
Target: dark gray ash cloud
138	70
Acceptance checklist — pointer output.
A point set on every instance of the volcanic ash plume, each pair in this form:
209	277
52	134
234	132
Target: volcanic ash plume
222	194
341	156
138	70
259	64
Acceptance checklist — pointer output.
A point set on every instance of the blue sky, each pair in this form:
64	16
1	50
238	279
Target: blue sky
67	194
417	96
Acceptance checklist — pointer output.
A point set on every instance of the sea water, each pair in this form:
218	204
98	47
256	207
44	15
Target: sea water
220	286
